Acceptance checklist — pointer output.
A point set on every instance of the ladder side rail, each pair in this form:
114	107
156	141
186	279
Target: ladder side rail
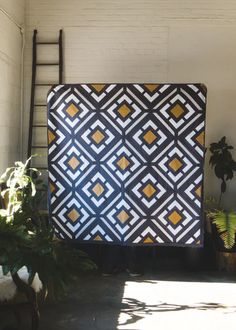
60	58
31	116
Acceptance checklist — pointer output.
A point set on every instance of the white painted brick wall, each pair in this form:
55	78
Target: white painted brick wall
16	8
146	41
10	78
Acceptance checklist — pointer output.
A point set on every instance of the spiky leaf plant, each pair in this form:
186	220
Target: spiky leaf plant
226	226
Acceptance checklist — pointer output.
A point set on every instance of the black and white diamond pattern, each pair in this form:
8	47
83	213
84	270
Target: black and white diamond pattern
126	163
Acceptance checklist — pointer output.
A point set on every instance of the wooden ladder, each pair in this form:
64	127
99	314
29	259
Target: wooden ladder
37	84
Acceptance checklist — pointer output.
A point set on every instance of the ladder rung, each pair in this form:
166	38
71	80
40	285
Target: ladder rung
44	84
46	64
40	105
47	43
39	126
39	147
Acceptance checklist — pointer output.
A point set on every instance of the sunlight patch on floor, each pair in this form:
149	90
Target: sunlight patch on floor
164	305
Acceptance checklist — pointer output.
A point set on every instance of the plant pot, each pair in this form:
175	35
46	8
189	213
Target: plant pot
226	261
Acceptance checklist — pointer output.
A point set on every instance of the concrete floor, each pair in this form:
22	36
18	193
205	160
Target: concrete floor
167	300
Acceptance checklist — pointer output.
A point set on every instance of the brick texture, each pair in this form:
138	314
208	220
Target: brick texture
145	41
10	82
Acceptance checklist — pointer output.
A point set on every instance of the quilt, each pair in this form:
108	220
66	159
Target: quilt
126	163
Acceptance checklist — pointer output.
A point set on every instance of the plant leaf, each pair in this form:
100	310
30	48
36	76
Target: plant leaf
226	226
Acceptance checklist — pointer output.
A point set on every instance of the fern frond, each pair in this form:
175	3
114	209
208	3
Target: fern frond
226	226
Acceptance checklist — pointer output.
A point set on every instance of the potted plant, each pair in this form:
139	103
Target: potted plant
27	238
223	221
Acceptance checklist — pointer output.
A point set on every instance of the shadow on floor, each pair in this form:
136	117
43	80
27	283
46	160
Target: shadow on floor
97	302
94	304
136	310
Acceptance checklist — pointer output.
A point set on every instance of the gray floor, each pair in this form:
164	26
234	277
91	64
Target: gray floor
169	299
164	300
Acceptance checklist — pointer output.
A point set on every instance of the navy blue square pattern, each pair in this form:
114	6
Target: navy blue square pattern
126	163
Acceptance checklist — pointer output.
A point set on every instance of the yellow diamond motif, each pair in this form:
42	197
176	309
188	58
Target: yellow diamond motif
198	191
73	162
98	189
123	163
124	111
175	217
151	87
175	164
177	111
98	136
149	137
52	187
98	87
123	216
148	240
72	110
200	138
51	136
149	190
98	238
73	215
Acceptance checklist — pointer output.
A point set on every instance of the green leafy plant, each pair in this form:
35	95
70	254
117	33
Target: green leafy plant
27	238
223	163
224	166
16	181
226	226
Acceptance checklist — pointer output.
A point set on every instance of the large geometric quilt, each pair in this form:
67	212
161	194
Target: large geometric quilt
126	163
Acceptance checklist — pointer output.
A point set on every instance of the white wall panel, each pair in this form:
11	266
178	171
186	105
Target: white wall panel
146	41
10	80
